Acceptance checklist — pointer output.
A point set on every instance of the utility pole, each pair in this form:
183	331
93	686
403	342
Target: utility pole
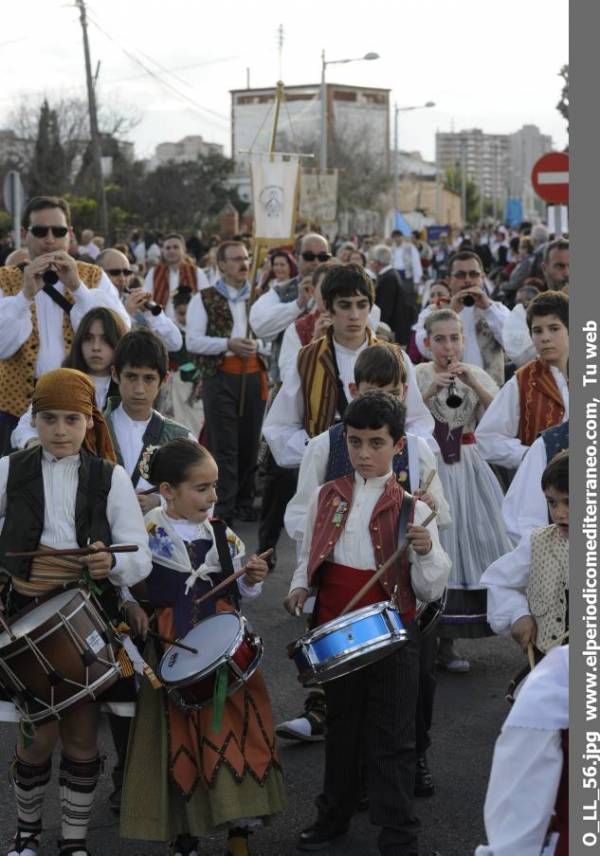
94	135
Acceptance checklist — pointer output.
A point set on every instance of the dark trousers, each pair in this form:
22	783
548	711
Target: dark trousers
376	704
425	698
233	439
279	486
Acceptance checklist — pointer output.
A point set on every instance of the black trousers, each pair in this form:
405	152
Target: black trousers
426	696
375	705
233	439
279	486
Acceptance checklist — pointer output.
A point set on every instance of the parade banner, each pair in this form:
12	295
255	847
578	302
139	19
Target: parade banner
318	195
274	193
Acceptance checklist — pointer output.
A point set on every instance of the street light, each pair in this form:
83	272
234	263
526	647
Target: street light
324	63
396	111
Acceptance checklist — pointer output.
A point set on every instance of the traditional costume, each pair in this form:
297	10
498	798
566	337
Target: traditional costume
163	280
315	396
203	777
527	803
234	390
36	334
56	504
533	579
524	507
477	535
536	398
353	526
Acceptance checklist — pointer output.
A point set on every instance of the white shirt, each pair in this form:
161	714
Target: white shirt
25	431
123	514
506	582
163	327
497	433
196	340
524	506
354	547
527	764
399	260
283	426
129	433
269	316
291	344
16	325
313	469
495	316
201	282
90	250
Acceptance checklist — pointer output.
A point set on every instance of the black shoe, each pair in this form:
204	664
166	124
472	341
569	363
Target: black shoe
319	836
424	786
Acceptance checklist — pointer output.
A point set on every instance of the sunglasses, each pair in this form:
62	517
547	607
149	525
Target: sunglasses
119	272
463	274
309	256
42	231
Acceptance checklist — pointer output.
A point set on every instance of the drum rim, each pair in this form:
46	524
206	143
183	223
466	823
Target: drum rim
22	634
342	621
216	664
319	675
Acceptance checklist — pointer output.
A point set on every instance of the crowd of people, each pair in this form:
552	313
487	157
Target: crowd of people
365	395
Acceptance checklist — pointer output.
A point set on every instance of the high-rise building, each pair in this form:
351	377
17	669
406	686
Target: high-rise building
485	158
526	146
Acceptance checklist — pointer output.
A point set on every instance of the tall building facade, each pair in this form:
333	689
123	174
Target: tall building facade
526	146
187	149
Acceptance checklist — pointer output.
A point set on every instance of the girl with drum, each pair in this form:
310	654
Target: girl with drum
62	494
457	394
213	759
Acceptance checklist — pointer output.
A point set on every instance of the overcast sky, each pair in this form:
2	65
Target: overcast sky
486	64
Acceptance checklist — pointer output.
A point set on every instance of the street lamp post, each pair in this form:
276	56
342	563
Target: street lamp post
396	168
324	64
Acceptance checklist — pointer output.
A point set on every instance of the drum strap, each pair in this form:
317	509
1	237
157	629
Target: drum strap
225	560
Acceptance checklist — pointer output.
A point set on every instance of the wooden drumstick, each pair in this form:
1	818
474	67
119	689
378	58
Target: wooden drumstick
378	574
428	480
530	656
231	578
172	642
75	551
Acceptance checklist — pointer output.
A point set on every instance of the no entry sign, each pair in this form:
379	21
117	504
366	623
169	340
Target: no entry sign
550	178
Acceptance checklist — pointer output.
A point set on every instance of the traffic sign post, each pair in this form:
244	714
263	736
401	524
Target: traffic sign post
550	178
14	199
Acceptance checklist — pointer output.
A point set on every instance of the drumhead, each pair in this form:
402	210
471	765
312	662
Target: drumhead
37	616
213	638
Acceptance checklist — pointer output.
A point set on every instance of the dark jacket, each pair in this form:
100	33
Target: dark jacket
397	309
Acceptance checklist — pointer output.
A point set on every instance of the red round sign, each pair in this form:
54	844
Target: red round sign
550	178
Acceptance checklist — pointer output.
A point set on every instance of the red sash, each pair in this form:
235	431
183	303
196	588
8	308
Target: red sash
337	585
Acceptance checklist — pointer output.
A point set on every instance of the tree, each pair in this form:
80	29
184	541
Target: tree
563	104
46	173
453	181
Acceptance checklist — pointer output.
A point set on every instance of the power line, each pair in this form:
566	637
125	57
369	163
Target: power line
177	68
165	83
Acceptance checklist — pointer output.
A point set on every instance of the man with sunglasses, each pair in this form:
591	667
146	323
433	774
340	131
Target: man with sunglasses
483	319
138	302
38	316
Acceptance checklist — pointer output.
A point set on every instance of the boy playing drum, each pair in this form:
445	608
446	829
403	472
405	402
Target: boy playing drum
354	525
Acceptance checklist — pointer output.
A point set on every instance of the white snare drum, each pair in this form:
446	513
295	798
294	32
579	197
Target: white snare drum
223	640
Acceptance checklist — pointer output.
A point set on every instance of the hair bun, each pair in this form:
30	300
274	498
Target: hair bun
146	461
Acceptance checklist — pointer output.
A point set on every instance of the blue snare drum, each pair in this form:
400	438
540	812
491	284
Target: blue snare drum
346	644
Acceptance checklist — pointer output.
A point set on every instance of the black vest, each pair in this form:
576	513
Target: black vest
24	521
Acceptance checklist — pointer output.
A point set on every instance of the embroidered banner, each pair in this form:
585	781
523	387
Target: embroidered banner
274	191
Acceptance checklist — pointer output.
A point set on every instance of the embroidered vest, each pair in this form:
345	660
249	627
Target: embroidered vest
319	383
547	589
159	431
540	401
556	439
160	281
305	327
24	522
219	323
338	463
17	373
383	529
